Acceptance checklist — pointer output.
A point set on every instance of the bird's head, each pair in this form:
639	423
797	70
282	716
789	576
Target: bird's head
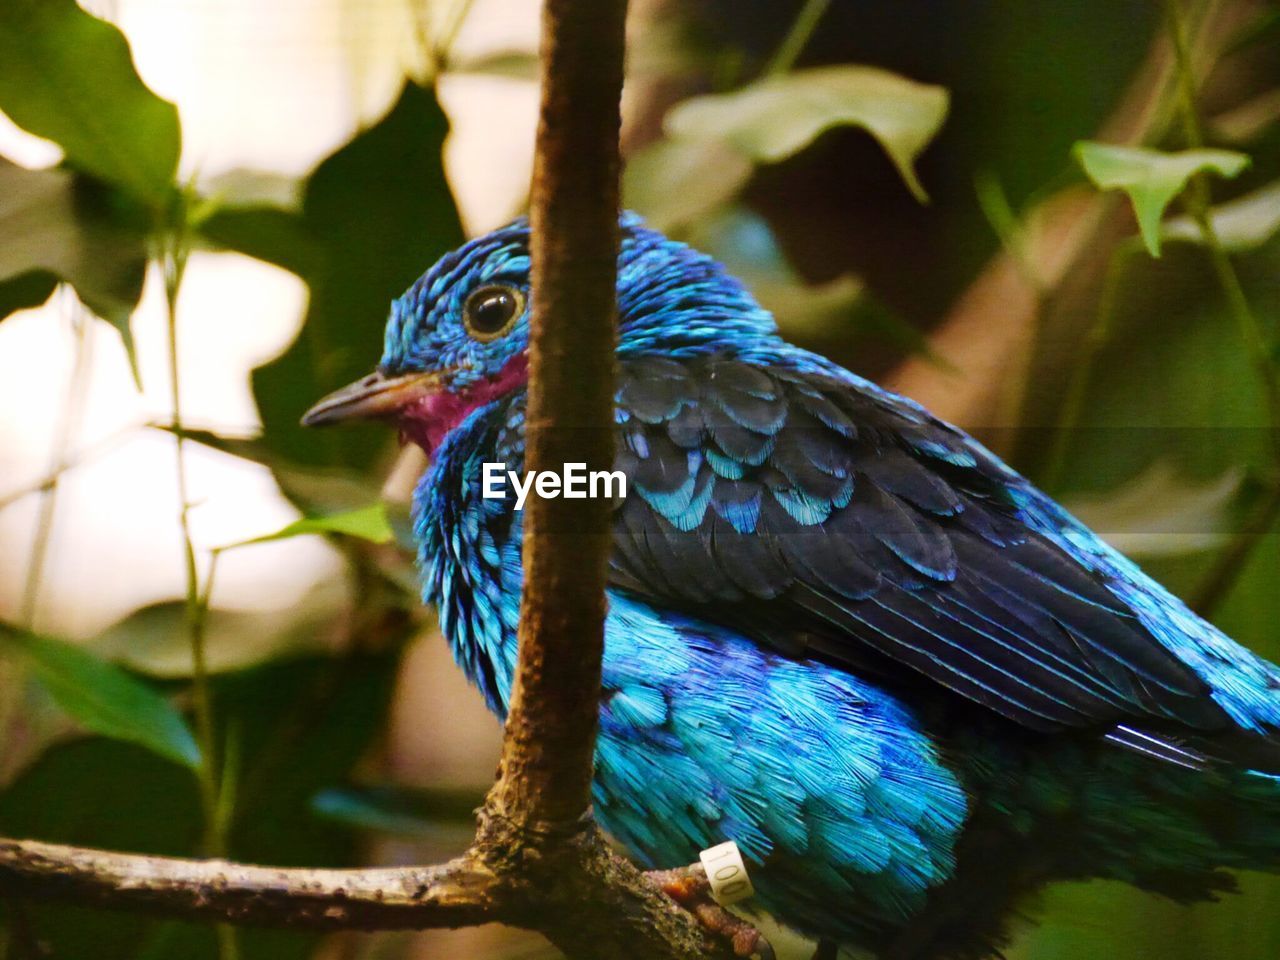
459	337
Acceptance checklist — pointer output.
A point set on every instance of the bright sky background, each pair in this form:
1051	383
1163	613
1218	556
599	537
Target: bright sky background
272	86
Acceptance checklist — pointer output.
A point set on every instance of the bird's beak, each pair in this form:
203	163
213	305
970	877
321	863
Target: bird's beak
377	395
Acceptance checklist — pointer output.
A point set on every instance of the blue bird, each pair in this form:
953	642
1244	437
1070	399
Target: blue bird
841	633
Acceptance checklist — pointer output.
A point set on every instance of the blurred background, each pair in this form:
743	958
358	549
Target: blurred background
206	206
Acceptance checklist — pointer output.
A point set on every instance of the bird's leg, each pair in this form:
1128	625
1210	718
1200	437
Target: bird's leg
689	887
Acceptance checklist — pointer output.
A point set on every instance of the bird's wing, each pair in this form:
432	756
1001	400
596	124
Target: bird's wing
832	520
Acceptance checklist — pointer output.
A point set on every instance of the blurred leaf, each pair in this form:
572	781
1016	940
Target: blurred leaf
744	242
314	489
25	290
375	214
116	796
1246	122
273	234
68	76
258	213
106	699
1151	178
87	791
55	225
1243	224
1256	31
368	523
302	724
874	320
676	182
399	810
513	64
245	186
773	118
1159	512
43	721
810	307
1007	225
670	50
153	639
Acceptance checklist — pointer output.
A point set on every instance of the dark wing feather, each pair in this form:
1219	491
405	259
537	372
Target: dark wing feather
830	520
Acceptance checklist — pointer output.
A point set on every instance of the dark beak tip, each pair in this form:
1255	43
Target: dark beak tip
334	408
376	396
323	413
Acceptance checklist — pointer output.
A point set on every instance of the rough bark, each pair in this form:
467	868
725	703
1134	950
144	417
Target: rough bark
545	778
574	890
453	894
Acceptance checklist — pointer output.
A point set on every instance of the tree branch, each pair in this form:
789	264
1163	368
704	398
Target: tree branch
545	776
454	894
581	896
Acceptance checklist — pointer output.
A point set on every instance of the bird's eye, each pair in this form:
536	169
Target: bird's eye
491	311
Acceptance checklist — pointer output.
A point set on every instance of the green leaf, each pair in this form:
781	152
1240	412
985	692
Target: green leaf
25	290
268	233
69	77
56	225
743	241
1006	224
115	796
1243	224
247	186
302	725
1152	178
104	698
512	64
375	215
827	316
773	118
676	182
1162	512
153	639
368	523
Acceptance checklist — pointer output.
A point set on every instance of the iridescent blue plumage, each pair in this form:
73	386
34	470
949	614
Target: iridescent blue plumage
840	632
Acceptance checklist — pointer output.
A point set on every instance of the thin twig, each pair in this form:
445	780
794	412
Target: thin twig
442	48
67	426
81	457
174	266
174	263
797	38
1250	329
1096	338
1222	576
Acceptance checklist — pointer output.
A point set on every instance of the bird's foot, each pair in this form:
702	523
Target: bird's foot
688	886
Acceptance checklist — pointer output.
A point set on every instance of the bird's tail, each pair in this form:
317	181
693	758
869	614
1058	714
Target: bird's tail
1084	810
